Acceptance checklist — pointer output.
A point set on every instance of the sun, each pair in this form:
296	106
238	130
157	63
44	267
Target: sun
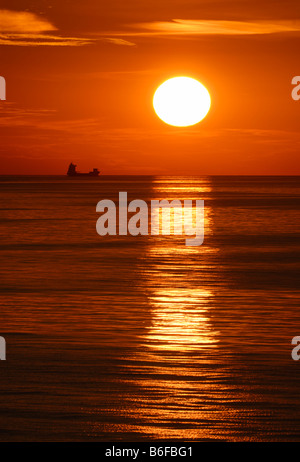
181	101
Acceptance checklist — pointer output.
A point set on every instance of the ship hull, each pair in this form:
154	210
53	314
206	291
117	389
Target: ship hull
84	174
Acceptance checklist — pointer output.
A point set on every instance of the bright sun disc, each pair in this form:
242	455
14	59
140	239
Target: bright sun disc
181	101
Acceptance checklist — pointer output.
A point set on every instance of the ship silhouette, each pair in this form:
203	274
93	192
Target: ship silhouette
73	172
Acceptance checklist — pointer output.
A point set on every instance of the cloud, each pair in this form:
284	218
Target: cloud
181	27
12	115
119	41
21	28
16	21
41	40
92	128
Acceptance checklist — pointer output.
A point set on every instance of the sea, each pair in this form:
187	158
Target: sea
143	338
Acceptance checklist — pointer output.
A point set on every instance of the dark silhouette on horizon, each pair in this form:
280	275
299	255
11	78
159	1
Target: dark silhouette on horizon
73	172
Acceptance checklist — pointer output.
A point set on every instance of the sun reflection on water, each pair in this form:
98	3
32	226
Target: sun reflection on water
175	369
179	320
177	298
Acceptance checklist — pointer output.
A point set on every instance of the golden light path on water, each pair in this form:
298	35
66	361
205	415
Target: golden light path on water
175	377
179	311
178	321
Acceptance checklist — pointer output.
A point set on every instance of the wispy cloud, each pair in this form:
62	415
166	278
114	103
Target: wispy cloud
119	41
42	119
181	27
22	28
23	21
42	40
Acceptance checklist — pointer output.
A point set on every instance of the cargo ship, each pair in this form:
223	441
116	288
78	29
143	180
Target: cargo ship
73	172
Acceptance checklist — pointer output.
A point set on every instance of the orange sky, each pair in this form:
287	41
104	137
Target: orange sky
81	75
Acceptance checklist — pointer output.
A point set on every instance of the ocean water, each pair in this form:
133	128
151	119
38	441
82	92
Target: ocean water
144	338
